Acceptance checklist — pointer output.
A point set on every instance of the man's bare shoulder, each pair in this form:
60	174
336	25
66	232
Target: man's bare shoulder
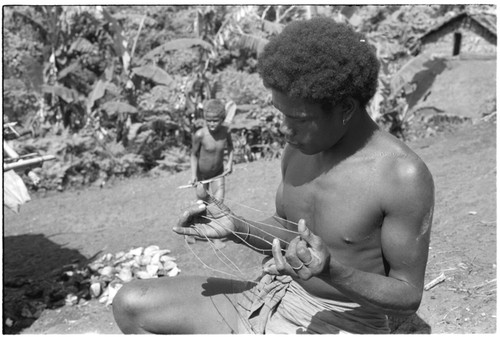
403	163
402	175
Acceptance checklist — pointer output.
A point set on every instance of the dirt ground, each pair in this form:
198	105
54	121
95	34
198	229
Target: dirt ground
57	229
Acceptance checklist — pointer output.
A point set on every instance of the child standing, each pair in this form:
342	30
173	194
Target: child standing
207	154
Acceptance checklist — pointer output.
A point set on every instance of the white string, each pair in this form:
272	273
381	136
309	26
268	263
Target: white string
248	234
215	249
262	223
206	265
229	214
212	245
258	210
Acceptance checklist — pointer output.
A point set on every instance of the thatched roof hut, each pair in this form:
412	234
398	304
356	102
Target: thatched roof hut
465	34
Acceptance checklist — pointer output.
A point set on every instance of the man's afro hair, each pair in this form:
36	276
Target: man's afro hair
320	60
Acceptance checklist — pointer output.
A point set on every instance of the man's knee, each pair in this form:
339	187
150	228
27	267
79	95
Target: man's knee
127	306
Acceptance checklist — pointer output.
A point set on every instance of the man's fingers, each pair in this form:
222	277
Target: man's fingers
304	253
189	213
270	267
197	231
279	259
292	256
184	230
306	234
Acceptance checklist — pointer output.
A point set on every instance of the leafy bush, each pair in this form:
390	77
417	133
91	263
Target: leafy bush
81	159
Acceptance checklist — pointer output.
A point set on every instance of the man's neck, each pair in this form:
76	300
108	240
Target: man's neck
361	129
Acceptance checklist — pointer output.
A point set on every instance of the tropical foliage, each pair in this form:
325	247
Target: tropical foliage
117	90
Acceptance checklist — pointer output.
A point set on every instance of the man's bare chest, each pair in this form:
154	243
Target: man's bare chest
340	205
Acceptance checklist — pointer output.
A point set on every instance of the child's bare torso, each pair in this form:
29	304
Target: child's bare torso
211	156
340	201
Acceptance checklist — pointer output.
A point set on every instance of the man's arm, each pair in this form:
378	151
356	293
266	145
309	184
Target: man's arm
408	202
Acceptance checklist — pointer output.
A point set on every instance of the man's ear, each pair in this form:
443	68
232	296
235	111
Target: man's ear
349	107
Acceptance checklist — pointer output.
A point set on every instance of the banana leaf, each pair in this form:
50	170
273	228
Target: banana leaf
67	94
230	111
175	45
113	108
96	93
72	68
153	73
252	42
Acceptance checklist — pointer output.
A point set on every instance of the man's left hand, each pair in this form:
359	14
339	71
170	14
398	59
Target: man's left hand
305	257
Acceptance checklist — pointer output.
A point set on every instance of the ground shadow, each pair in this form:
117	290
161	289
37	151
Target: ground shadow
34	278
412	324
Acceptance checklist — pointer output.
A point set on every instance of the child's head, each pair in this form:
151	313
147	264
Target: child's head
322	61
214	113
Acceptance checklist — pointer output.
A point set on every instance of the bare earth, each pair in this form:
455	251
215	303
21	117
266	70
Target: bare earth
59	228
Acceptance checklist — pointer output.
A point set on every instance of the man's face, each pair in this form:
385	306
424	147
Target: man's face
213	121
306	126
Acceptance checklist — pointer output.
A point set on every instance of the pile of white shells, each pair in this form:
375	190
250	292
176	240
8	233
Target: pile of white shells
111	271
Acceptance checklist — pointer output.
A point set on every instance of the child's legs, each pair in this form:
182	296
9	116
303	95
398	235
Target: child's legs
180	305
217	188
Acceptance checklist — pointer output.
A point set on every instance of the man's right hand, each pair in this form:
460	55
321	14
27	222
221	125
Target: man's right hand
208	218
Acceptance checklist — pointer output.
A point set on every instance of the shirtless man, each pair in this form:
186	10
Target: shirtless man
207	153
357	201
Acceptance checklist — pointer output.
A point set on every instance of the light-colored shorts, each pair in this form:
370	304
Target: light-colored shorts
279	305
